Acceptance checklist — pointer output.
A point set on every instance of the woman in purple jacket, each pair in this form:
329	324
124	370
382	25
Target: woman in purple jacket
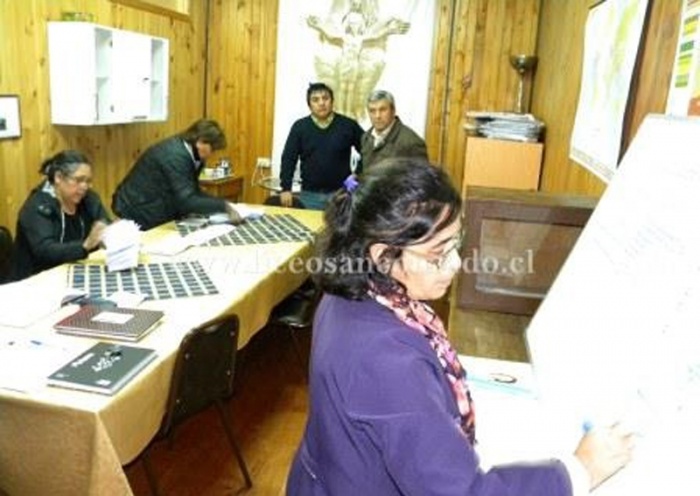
390	411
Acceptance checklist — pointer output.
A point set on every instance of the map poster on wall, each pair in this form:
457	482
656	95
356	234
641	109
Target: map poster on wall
684	93
613	31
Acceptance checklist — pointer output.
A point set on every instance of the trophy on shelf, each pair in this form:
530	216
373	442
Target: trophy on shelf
525	65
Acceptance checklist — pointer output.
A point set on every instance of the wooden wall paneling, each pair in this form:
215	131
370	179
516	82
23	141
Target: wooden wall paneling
493	38
437	88
241	82
479	76
179	9
453	72
111	148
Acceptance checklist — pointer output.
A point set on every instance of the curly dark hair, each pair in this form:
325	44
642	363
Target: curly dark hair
398	202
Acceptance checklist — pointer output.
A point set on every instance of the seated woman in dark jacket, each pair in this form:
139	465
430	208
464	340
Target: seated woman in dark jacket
163	184
62	220
390	408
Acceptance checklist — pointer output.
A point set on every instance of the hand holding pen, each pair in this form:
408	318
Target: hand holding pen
604	450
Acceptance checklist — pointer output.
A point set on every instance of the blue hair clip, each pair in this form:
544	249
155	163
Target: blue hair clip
350	184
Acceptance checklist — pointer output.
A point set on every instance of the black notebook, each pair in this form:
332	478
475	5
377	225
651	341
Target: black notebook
104	368
126	324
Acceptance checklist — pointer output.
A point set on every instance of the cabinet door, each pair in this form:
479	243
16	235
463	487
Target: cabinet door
131	76
159	79
498	163
72	60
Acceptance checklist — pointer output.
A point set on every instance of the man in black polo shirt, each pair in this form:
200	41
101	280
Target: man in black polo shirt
322	143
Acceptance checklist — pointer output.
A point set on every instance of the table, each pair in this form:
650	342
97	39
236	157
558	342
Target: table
273	184
228	187
66	442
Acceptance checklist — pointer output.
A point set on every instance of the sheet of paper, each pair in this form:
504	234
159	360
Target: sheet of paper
18	350
617	336
25	302
510	422
175	244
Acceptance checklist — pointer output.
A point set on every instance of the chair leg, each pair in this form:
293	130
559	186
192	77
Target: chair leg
234	446
297	351
239	371
150	476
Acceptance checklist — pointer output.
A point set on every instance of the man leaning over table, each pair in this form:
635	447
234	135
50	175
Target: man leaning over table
163	184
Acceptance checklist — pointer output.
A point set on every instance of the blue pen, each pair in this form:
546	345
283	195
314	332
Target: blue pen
36	342
587	426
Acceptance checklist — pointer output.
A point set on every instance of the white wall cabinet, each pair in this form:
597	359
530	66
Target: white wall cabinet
102	75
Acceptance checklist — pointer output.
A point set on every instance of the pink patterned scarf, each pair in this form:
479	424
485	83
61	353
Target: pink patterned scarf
419	316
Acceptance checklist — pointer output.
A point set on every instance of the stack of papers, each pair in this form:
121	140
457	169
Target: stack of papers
122	240
505	125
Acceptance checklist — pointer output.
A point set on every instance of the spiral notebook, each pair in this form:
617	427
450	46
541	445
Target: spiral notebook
104	368
124	324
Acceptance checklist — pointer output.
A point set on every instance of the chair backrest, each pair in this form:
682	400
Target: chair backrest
6	248
204	370
298	309
274	201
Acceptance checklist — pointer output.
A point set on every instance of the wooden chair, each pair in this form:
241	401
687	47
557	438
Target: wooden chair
203	375
6	248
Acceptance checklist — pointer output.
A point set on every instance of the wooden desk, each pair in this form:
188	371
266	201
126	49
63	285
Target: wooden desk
62	442
229	187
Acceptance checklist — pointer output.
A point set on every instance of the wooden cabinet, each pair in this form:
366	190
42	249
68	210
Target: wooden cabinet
516	242
230	187
502	164
102	75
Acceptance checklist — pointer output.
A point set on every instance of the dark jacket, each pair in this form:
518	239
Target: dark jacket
163	185
42	239
383	419
401	141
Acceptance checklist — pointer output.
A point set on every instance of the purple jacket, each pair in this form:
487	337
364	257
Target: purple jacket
384	422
